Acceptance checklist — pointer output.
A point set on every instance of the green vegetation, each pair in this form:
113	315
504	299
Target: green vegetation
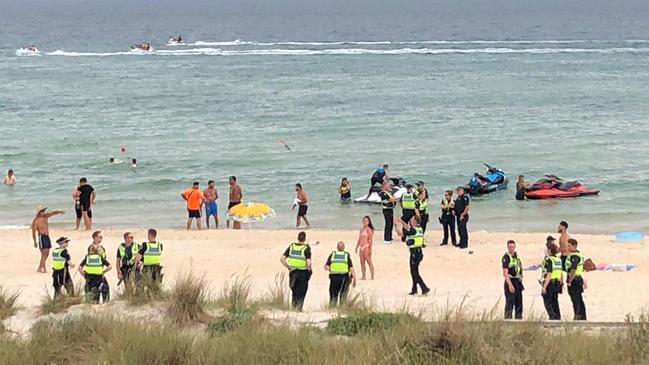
51	304
8	300
187	300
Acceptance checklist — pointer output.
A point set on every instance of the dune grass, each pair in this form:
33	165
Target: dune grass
187	299
277	296
51	304
8	302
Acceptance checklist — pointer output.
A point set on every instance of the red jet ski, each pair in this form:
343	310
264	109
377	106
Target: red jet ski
552	187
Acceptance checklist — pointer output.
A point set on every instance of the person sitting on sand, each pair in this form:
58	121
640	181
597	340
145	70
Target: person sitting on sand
41	234
10	179
365	242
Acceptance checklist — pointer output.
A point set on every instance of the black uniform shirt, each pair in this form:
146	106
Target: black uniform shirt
574	262
512	271
128	254
307	252
548	265
66	256
461	202
385	196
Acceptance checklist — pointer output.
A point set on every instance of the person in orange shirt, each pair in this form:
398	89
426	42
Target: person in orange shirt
194	198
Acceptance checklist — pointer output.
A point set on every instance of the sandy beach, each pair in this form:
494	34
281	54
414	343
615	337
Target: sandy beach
455	276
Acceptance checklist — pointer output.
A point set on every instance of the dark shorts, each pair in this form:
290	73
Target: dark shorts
233	204
77	209
301	211
194	213
44	242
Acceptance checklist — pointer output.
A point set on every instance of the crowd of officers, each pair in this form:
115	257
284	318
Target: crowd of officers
138	266
552	280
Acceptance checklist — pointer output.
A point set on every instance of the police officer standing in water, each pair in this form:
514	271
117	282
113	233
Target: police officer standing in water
297	259
387	203
461	209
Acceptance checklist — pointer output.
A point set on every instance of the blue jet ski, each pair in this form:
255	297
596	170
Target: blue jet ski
494	179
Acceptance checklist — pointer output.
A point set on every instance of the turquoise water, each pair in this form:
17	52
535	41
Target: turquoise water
434	108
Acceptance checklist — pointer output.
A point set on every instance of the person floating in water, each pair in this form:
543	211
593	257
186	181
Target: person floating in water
115	161
10	179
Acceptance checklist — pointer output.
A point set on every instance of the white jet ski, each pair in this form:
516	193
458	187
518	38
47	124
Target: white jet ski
28	51
175	42
398	188
144	47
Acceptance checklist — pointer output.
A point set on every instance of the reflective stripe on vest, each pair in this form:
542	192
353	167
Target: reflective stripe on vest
94	265
423	205
339	262
557	267
580	267
58	262
417	238
386	203
515	263
297	257
134	250
408	201
152	254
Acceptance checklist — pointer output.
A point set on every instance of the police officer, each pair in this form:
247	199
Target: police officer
575	282
149	257
61	261
421	204
297	259
513	274
97	238
414	236
408	207
447	219
461	210
126	255
93	267
387	203
341	273
552	271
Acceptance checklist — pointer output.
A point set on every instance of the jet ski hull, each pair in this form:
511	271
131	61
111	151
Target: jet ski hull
556	188
175	43
27	52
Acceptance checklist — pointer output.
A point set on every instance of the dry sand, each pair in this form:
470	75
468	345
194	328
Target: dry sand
454	275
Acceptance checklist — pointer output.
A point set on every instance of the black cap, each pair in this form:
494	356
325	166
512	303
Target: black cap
62	240
550	238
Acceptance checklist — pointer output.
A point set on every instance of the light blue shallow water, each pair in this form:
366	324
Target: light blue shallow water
433	110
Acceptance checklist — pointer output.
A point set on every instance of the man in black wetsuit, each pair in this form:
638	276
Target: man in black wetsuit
87	197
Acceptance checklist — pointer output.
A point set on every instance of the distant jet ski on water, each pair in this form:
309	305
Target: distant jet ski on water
28	51
176	41
144	47
397	189
553	187
494	179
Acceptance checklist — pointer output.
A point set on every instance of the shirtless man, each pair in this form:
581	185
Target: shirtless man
210	195
563	242
236	195
10	179
41	234
302	202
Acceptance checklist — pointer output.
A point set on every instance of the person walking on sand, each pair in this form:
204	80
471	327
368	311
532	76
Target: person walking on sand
447	219
87	196
236	196
415	242
513	274
297	259
552	271
41	234
564	237
210	196
303	205
575	282
10	179
341	273
364	247
194	199
92	268
388	201
461	209
61	261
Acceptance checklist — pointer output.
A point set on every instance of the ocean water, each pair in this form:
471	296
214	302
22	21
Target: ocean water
432	88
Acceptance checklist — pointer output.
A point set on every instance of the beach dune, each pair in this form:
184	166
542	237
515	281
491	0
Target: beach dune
456	277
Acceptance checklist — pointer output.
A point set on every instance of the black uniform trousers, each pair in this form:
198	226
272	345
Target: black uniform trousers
388	214
151	277
551	299
575	291
448	223
514	301
424	220
338	288
416	257
93	287
61	278
298	281
462	231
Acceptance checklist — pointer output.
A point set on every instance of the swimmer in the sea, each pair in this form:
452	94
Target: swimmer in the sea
133	164
115	161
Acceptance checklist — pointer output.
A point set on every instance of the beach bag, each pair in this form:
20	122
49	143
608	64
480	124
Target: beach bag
589	265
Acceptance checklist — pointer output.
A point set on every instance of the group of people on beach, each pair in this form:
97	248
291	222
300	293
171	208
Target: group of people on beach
562	264
198	200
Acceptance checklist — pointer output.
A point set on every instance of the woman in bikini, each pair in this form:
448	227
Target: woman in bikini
365	241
